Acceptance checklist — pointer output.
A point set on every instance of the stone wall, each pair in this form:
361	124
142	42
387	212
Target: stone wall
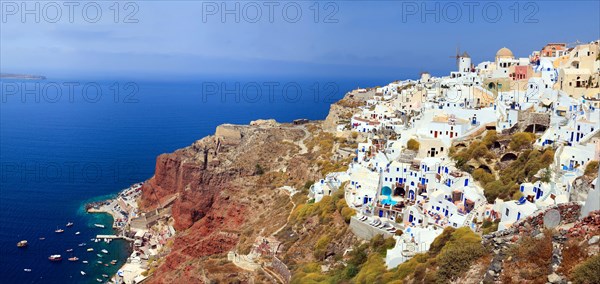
569	213
364	230
280	268
527	118
229	134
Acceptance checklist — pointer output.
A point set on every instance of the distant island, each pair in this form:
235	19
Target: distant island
21	76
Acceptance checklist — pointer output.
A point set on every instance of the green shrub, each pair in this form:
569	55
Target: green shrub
441	240
489	138
371	271
483	176
587	272
320	249
347	213
456	259
488	226
521	140
350	271
380	244
358	255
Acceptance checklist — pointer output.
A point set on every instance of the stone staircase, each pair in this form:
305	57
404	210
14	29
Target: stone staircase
469	218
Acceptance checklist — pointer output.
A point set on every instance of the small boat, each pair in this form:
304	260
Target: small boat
99	225
42	238
113	262
100	262
106	264
22	244
99	255
58	231
69	224
70	250
85	261
82	244
55	257
105	275
27	269
73	258
82	273
90	249
104	251
99	280
77	233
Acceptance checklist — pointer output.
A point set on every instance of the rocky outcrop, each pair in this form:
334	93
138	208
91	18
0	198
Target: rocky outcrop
342	111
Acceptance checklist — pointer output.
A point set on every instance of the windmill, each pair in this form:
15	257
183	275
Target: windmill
462	59
457	56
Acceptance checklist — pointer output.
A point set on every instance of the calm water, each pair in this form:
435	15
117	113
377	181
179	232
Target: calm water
58	153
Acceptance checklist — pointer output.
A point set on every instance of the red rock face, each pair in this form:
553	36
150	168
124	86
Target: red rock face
204	214
211	188
178	174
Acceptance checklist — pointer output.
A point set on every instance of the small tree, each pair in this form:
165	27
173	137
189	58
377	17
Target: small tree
587	271
258	170
546	175
413	144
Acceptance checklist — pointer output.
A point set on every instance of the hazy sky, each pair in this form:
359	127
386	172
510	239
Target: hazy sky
349	38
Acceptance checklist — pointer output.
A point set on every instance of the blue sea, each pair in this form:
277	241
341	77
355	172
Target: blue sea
65	142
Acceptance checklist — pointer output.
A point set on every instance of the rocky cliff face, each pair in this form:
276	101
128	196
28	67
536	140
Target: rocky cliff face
223	193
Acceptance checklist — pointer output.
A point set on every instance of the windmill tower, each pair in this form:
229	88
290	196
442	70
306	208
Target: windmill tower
463	61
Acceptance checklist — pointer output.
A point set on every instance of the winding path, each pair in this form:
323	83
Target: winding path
303	148
291	191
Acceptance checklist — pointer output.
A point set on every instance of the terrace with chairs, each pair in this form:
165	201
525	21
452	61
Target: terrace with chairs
379	224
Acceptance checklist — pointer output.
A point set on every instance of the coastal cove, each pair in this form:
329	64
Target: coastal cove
59	156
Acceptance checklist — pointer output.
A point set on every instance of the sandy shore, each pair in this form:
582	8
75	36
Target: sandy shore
122	208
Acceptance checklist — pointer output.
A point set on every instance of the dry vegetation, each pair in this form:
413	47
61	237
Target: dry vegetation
529	260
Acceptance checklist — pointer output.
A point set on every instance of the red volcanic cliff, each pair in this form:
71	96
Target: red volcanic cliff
216	195
191	178
176	174
223	193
